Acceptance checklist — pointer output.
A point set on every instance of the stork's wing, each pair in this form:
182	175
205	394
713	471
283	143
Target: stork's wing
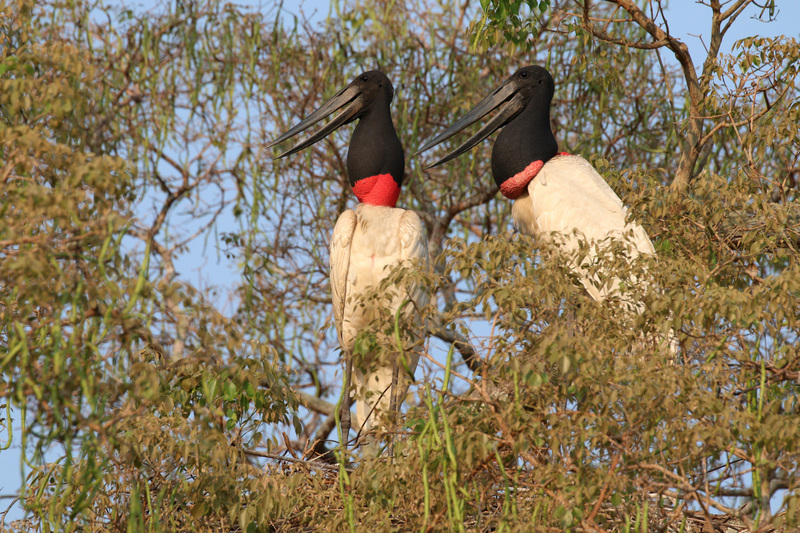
412	237
415	246
611	212
340	265
569	194
567	197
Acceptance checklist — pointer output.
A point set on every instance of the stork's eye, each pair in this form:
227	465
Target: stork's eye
365	78
523	74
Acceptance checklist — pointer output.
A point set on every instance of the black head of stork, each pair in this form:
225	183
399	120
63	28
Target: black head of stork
375	159
523	104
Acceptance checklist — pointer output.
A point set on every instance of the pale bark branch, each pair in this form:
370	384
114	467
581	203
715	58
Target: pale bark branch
692	132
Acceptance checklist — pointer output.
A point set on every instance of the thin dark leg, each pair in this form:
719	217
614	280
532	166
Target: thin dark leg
348	373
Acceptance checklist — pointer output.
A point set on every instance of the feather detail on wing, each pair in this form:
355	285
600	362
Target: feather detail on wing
569	203
569	200
415	246
340	265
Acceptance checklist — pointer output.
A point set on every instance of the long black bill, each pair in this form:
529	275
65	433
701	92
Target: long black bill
347	100
505	94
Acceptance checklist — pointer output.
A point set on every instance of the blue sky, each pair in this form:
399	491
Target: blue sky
205	268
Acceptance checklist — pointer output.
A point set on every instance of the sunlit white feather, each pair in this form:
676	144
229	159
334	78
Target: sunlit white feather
569	202
368	242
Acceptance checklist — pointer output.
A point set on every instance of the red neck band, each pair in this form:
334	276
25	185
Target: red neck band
377	190
517	184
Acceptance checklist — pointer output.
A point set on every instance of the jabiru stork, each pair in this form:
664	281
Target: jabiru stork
557	196
369	241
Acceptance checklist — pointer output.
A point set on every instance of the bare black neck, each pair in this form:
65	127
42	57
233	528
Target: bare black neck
375	148
525	139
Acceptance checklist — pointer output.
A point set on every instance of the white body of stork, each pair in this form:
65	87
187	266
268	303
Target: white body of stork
368	242
570	200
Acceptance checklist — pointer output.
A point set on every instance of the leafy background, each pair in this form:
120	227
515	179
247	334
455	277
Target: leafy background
141	399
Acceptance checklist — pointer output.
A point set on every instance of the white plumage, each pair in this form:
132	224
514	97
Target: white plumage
368	242
569	198
569	202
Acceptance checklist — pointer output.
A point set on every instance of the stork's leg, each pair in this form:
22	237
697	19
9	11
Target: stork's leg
345	416
394	398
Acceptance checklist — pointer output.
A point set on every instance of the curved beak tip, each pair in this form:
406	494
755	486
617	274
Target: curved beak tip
345	102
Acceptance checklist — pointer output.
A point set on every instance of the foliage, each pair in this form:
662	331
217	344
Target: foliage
129	137
515	23
107	413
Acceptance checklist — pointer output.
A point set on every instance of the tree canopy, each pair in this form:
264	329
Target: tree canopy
128	138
